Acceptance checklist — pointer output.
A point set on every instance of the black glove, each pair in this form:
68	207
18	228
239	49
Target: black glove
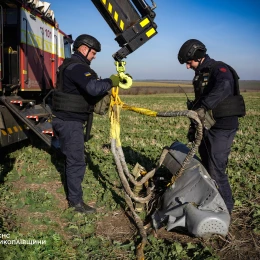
190	104
191	136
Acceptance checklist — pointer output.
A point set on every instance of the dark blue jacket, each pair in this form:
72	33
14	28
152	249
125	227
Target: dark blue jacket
80	79
219	87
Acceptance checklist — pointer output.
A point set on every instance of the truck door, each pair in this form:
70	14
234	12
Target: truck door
1	45
9	42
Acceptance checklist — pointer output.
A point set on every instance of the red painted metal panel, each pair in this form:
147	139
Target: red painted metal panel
41	69
42	51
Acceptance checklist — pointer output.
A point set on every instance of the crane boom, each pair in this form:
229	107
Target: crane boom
131	21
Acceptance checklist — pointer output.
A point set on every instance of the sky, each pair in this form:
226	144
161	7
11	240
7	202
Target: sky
230	29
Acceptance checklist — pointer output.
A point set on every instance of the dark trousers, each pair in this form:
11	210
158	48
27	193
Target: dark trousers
214	151
71	138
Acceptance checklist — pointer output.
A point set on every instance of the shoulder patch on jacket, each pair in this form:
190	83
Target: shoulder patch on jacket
222	69
87	74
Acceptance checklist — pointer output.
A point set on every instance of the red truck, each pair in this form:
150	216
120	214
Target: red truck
32	46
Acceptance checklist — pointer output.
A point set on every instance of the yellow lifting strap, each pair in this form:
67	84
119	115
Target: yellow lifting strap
140	110
115	107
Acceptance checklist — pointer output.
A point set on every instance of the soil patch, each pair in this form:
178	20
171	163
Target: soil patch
241	243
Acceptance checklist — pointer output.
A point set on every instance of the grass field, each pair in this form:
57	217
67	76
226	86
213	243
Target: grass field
244	84
34	207
179	86
162	83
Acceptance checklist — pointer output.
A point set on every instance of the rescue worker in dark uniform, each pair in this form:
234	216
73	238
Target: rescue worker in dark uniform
77	90
214	85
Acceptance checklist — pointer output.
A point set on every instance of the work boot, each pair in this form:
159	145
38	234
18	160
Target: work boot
82	208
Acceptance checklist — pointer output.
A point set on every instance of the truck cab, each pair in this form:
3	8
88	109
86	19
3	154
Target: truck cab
31	46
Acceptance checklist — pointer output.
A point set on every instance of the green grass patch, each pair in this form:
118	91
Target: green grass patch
33	202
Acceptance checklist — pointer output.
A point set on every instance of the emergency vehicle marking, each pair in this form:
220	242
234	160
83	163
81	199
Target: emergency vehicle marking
110	8
37	42
144	22
150	32
115	16
48	132
33	117
38	31
122	25
3	132
10	130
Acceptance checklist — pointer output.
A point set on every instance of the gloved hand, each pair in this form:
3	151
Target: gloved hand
191	136
190	104
201	114
115	80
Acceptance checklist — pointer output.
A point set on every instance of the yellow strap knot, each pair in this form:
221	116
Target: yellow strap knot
115	106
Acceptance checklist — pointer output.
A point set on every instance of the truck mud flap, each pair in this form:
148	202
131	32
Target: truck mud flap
12	130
